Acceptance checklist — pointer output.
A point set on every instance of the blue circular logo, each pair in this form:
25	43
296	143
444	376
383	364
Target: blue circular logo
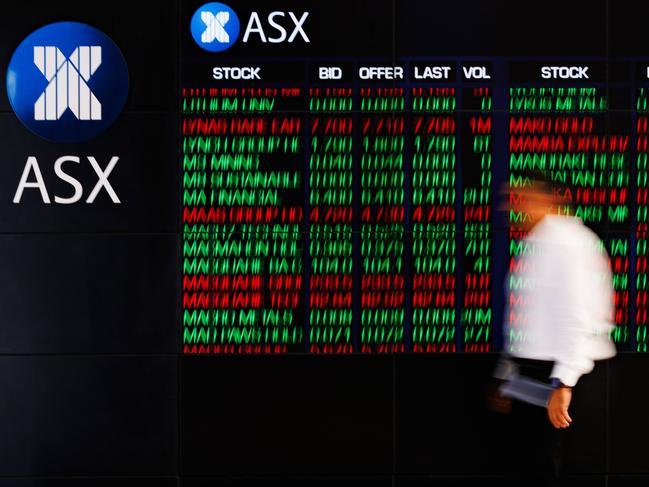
215	27
67	82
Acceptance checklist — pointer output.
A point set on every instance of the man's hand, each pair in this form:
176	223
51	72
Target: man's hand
558	407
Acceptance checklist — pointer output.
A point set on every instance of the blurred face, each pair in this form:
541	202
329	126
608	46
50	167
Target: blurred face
532	203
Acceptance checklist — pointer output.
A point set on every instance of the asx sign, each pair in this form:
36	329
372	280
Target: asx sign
215	27
67	82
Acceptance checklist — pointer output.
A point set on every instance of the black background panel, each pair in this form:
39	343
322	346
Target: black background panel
283	415
99	294
81	415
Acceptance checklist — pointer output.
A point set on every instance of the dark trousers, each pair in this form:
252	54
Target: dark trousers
535	456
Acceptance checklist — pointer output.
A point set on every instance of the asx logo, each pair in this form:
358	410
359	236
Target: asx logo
67	82
215	27
67	85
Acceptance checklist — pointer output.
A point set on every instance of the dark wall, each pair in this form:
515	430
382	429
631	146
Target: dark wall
369	420
93	391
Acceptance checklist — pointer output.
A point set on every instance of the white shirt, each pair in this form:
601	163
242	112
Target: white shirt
560	299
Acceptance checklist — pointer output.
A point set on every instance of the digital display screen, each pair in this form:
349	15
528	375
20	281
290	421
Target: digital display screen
349	202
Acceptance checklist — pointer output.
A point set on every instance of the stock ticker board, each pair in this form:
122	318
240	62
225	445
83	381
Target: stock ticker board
341	195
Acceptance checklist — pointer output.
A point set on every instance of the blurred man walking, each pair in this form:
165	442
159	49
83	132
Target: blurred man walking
557	323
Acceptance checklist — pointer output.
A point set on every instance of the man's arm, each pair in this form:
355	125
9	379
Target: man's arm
584	302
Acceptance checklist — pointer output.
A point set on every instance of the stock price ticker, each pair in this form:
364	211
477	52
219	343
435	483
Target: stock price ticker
352	205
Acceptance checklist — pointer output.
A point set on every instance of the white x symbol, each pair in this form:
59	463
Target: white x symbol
215	26
67	87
